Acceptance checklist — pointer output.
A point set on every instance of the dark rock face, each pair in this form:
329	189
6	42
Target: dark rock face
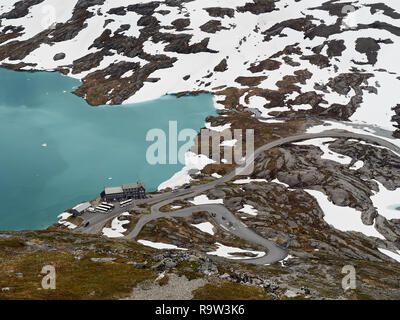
396	119
220	12
145	9
388	11
181	24
250	81
267	64
212	26
318	60
179	43
59	56
84	4
335	48
21	9
222	66
258	6
120	11
370	48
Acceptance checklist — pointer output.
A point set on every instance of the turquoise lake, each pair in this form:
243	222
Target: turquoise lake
57	151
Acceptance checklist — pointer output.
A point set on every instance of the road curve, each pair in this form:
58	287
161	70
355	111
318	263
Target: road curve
274	252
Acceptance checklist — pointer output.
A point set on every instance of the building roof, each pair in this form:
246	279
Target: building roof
133	185
113	190
82	207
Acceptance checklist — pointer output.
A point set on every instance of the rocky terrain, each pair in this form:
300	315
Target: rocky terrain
278	67
89	267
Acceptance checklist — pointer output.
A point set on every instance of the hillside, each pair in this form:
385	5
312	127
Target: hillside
283	68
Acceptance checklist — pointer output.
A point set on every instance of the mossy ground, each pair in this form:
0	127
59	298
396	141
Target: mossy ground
75	279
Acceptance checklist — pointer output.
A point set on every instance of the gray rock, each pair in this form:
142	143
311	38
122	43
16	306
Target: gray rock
59	56
140	265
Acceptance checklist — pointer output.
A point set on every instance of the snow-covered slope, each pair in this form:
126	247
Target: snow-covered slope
283	60
328	59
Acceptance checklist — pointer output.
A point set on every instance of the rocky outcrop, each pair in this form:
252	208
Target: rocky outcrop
222	66
396	119
212	26
220	12
267	64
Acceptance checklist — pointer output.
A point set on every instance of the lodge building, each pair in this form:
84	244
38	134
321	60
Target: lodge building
126	191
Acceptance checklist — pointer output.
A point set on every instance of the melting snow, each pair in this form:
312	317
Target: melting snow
249	180
343	218
328	154
395	256
226	252
203	199
383	199
159	245
248	209
206	227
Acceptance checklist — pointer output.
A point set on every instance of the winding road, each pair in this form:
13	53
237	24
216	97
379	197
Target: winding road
222	216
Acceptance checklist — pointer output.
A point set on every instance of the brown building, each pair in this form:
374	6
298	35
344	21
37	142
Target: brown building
127	191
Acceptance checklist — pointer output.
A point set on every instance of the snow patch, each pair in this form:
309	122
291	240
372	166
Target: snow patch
248	209
193	162
226	252
203	199
117	227
343	218
206	227
159	245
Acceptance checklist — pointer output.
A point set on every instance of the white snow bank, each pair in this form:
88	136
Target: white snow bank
248	209
218	128
117	227
343	218
226	252
159	245
203	199
358	165
249	180
384	199
395	256
206	227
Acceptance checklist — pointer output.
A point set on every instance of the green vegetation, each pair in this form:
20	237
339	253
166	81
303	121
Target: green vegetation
189	270
76	279
11	243
163	281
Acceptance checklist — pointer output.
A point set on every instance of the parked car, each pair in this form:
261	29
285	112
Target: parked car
213	215
86	224
188	186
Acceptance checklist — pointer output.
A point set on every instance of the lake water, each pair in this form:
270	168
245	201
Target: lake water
57	151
